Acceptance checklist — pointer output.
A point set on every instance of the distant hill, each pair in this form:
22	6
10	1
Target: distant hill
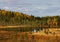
16	18
11	18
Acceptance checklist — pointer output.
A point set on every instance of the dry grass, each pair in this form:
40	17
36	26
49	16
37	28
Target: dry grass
13	36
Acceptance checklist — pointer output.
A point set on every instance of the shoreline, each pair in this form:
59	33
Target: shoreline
27	26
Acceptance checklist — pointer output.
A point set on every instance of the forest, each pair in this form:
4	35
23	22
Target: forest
8	18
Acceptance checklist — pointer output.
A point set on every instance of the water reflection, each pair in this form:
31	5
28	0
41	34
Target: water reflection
22	29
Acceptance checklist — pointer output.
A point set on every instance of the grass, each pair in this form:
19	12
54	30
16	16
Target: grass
18	36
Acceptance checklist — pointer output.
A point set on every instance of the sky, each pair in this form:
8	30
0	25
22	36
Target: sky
33	7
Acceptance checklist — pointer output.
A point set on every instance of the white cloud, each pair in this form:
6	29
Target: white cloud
6	8
41	7
23	9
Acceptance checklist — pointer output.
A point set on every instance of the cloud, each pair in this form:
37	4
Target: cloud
6	8
35	7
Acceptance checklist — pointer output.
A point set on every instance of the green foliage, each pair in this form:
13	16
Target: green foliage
16	18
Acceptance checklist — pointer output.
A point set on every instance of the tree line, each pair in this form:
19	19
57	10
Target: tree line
18	18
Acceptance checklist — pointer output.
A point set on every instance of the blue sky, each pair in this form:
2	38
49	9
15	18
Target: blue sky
32	7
